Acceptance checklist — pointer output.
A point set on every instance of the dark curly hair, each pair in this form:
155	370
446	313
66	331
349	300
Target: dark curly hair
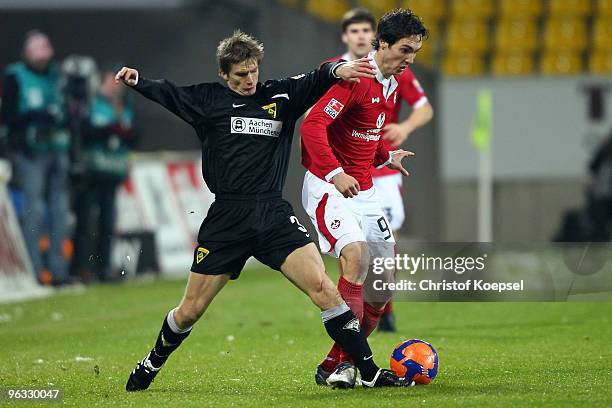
398	24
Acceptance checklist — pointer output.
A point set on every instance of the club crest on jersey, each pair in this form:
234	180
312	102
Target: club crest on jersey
380	121
335	224
333	108
352	325
271	109
202	253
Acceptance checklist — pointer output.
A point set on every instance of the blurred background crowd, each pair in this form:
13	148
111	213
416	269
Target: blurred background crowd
66	130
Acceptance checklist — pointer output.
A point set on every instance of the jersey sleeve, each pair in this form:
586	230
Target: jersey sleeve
306	89
410	90
382	157
319	157
186	102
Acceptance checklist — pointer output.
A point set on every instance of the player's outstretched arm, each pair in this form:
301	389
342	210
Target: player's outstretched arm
186	102
307	89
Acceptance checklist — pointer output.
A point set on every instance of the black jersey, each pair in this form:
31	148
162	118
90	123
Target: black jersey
246	140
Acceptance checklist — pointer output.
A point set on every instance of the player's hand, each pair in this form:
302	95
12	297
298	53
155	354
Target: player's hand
395	134
129	76
346	185
396	160
353	70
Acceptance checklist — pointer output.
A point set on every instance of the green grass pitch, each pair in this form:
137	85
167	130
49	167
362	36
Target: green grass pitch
260	341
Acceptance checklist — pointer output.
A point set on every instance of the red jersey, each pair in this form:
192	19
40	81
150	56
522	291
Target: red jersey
343	131
409	89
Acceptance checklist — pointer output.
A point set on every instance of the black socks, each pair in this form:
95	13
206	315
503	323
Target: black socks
343	327
167	341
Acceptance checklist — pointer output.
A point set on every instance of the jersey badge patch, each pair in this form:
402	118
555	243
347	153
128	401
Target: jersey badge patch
202	253
271	109
333	108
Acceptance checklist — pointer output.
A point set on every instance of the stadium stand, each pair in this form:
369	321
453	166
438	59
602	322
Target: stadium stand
464	64
569	7
378	7
511	31
565	32
600	62
523	8
507	37
481	9
559	62
512	63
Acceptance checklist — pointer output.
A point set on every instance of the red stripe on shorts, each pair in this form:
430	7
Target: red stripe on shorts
320	213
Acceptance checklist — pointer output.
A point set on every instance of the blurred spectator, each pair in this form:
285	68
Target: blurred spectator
599	206
38	142
592	223
107	135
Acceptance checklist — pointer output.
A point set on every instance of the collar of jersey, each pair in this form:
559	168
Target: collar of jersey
389	84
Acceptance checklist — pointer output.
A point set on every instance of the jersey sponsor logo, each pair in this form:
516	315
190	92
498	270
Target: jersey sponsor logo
335	224
352	325
271	109
202	253
254	126
376	100
368	137
333	108
380	121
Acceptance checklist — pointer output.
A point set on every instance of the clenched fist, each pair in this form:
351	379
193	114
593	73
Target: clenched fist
129	76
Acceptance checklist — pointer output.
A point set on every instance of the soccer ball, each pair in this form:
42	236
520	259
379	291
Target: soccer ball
415	359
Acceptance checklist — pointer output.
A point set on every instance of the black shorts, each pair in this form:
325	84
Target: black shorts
238	227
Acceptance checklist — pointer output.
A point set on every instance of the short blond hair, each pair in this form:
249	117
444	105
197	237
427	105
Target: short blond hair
238	48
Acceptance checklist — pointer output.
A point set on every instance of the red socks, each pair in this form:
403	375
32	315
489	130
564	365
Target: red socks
371	316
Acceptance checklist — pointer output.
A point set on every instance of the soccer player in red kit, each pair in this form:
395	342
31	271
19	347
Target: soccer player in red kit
341	141
358	31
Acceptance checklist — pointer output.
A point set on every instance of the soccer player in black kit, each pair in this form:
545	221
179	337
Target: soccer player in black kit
246	130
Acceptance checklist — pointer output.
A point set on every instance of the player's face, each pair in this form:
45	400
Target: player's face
358	38
397	57
243	77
